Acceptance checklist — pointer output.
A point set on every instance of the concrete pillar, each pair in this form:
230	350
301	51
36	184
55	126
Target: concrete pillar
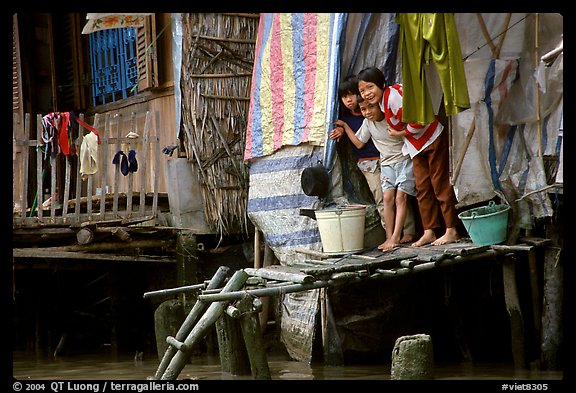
167	319
413	358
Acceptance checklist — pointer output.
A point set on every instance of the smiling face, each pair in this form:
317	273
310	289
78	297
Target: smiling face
370	92
371	111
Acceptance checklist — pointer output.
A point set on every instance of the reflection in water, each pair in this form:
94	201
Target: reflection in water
207	367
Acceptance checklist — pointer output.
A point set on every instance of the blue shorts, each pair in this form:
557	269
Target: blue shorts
399	176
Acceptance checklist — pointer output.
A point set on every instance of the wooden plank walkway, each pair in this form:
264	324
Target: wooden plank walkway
320	270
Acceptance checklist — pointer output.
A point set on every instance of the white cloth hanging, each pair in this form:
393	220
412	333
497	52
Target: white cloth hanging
89	155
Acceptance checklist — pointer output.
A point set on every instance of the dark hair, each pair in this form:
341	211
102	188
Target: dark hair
374	75
348	86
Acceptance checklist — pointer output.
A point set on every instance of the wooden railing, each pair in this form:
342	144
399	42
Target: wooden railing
105	195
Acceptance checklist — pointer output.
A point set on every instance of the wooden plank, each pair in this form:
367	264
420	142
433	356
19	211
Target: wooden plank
143	164
53	190
102	246
90	187
67	181
104	168
25	158
78	176
39	169
30	253
116	184
156	142
387	260
313	253
130	173
536	241
512	248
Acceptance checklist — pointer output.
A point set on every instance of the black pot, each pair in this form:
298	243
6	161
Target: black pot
315	181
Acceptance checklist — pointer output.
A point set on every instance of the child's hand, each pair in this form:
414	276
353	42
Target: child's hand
336	133
393	132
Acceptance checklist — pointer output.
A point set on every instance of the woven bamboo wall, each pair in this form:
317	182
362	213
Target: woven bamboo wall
217	62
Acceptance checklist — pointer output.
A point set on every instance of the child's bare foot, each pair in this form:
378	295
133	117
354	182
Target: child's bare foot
427	237
388	245
450	236
407	238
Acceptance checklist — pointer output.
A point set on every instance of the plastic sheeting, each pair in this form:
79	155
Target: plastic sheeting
505	154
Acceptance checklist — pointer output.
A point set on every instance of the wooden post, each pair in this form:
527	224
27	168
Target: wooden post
211	315
187	260
233	355
168	316
514	312
552	312
252	334
331	343
269	258
198	308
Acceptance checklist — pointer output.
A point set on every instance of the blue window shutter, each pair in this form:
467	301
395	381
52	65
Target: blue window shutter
113	63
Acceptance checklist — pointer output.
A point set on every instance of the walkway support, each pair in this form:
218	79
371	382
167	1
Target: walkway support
197	310
200	330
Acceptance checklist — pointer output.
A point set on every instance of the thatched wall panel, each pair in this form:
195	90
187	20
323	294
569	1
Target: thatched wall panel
217	62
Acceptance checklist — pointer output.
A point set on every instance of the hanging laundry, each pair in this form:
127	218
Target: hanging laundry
89	155
132	163
50	125
431	37
68	133
120	158
88	127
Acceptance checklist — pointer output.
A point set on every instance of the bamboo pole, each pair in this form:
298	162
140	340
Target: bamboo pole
211	315
280	275
536	60
464	150
257	251
172	291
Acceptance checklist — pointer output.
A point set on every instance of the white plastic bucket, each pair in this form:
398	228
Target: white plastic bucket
342	229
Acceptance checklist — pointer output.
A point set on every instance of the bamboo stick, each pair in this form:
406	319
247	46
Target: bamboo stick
536	60
211	315
193	316
280	275
464	149
171	291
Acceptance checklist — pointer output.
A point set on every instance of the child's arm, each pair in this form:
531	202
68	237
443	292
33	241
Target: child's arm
351	134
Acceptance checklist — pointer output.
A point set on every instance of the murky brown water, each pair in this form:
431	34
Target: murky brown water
207	367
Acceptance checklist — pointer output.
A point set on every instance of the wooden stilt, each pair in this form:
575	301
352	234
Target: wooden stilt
269	258
252	334
552	322
514	312
233	356
331	343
